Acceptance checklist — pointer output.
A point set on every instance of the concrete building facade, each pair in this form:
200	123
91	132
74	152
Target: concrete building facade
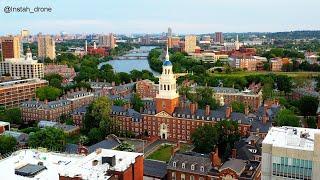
46	47
291	153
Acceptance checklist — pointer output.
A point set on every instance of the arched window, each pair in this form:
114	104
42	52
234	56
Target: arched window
202	169
183	165
168	71
164	87
173	176
165	71
174	164
168	87
161	87
191	177
192	167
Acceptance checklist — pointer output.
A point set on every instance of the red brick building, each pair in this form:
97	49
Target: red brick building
147	89
13	93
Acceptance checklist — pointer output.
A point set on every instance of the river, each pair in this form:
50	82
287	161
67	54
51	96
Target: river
126	65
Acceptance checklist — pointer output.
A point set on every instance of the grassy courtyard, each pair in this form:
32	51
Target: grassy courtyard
161	154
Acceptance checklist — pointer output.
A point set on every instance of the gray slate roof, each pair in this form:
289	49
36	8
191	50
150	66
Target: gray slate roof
155	169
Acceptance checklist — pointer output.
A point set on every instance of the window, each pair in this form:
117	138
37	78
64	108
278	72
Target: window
183	177
200	178
174	164
192	167
202	169
183	165
173	175
191	177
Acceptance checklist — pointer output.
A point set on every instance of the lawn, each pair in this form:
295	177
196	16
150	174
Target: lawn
247	73
162	154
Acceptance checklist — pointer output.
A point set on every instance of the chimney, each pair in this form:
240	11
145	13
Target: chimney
252	142
207	110
234	153
113	83
215	160
228	112
46	101
192	108
265	119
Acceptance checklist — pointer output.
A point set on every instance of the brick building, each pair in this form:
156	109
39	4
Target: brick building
168	117
44	110
100	51
63	70
196	166
79	98
229	95
14	92
147	89
276	64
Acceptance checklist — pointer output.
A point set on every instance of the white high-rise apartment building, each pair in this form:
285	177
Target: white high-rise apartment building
22	67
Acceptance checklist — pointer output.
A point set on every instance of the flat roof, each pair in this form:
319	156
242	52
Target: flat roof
70	165
291	137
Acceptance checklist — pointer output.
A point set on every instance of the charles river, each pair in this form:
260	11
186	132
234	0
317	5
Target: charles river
128	64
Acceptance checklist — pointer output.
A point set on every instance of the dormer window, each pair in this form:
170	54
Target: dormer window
174	164
183	165
202	169
192	167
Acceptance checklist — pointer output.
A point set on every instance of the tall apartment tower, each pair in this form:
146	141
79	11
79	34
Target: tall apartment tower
169	32
107	40
167	98
190	44
46	47
11	47
291	153
219	38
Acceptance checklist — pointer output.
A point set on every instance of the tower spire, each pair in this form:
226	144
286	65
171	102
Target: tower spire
167	55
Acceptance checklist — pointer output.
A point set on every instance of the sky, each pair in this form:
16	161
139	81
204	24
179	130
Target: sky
153	16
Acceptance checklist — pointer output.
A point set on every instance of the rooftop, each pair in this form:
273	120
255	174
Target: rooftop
292	137
52	164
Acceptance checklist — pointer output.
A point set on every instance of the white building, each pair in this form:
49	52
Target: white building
35	164
22	67
291	153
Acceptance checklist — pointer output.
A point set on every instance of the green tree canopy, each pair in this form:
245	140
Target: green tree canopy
287	118
137	103
50	138
308	105
205	138
8	144
238	107
11	115
48	92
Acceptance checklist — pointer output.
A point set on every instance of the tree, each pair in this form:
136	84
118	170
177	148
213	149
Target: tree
119	102
48	92
228	135
287	118
308	105
311	122
50	137
8	144
137	103
55	80
95	135
238	106
11	115
205	138
284	83
125	146
97	112
204	96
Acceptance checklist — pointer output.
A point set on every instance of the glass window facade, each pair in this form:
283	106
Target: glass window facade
291	167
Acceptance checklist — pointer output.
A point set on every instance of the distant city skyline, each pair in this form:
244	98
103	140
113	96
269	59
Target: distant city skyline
145	16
